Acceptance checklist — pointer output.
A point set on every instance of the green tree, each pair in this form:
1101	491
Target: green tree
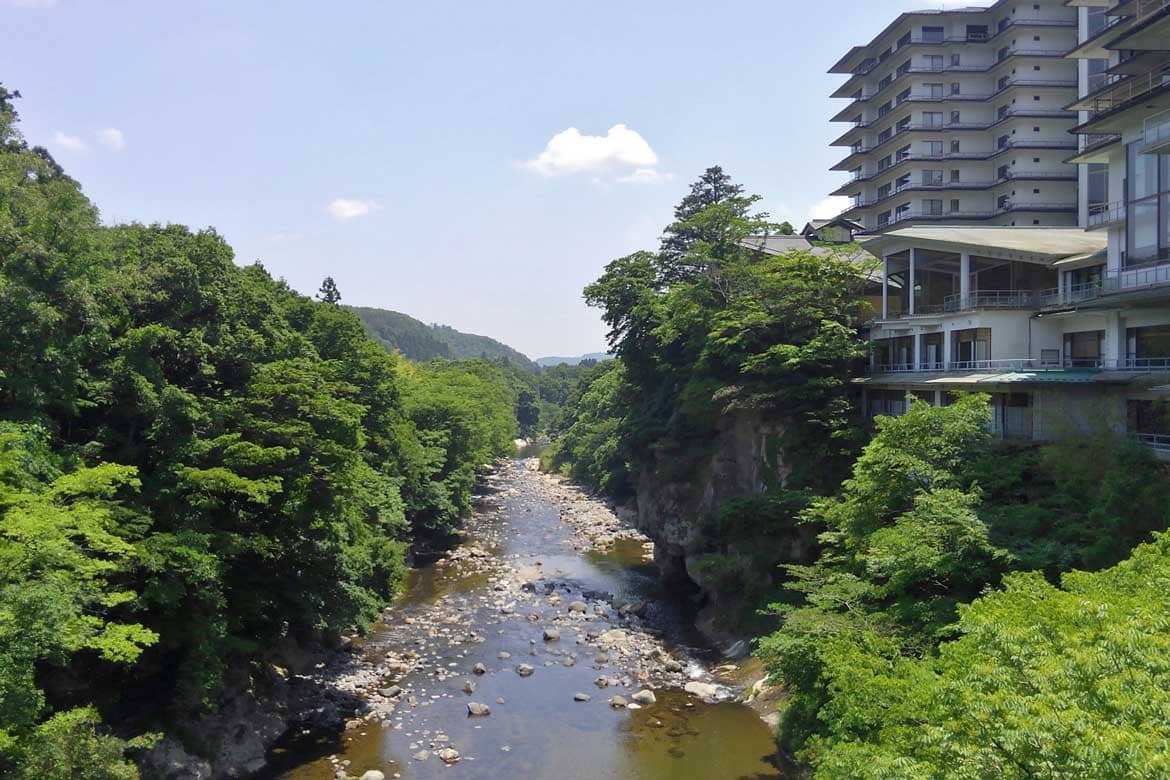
329	292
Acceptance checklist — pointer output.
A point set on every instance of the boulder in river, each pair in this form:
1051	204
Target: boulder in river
581	697
524	670
617	702
702	690
479	669
551	634
478	708
578	606
645	696
449	755
373	774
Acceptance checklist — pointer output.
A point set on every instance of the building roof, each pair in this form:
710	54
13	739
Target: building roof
1035	244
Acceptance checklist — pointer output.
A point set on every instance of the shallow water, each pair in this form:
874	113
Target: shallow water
450	613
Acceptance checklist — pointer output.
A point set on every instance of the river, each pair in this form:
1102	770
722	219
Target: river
544	577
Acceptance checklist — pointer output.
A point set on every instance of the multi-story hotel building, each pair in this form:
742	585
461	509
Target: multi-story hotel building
1066	327
960	116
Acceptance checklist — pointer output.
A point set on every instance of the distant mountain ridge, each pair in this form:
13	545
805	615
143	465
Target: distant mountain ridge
545	362
419	341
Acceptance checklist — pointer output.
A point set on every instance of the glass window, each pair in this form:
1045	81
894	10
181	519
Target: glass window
932	118
1098	182
934	148
1142	173
932	34
1142	225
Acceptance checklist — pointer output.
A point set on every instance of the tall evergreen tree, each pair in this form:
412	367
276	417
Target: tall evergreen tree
329	292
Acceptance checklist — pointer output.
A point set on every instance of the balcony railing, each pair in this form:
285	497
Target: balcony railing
1003	365
1128	89
1136	279
1155	441
1156	139
1101	214
1073	294
991	299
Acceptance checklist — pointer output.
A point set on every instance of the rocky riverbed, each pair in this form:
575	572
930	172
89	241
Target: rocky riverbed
540	647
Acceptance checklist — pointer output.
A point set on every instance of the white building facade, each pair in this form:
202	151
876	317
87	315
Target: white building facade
1067	328
961	116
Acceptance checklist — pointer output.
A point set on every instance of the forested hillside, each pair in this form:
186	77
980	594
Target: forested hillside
196	464
920	591
419	341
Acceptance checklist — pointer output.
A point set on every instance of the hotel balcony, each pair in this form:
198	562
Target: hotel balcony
1025	364
1111	108
1156	139
1103	215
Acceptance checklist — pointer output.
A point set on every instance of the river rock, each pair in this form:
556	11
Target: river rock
449	755
478	709
469	687
524	670
551	634
702	690
373	774
422	755
617	702
479	669
581	697
578	606
645	696
601	682
392	692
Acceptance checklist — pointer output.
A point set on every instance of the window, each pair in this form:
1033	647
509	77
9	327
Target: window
903	96
933	61
971	345
902	212
955	118
934	91
932	178
883	191
883	219
884	163
1098	175
1002	142
954	146
1002	202
976	32
932	118
1149	346
1002	112
954	175
932	208
903	69
904	40
903	123
954	205
1003	82
1003	54
902	182
956	60
934	148
1002	173
884	135
932	34
884	109
1148	206
1084	349
903	153
955	87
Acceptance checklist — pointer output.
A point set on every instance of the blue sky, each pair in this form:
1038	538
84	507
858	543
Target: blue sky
421	153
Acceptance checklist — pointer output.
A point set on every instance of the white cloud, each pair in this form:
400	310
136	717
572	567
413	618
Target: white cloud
70	143
829	207
33	3
571	152
645	176
350	208
112	138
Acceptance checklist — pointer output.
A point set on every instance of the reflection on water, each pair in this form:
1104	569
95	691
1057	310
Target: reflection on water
538	731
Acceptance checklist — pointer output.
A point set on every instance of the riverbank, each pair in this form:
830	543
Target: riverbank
539	648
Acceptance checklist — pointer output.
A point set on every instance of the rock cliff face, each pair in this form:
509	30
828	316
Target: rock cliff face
680	513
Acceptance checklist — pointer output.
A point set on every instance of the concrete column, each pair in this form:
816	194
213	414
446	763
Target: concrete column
964	279
916	352
1116	346
946	349
885	287
910	285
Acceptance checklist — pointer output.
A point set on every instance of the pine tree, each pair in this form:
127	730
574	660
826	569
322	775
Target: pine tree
329	292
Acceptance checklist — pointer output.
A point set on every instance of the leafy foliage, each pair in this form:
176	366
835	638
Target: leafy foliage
195	463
